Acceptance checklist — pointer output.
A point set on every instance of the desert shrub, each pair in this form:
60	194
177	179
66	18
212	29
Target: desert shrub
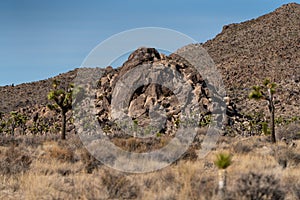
289	132
119	186
296	191
89	161
141	145
255	186
286	156
60	153
203	187
74	142
242	148
190	154
129	144
32	141
35	141
168	177
14	161
7	140
293	158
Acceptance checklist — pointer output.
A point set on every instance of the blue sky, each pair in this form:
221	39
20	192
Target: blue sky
40	39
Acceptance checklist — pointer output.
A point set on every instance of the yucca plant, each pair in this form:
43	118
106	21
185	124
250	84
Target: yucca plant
266	92
17	119
21	122
2	123
223	161
62	103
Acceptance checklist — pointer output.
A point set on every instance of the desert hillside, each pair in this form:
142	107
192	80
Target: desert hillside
32	94
266	47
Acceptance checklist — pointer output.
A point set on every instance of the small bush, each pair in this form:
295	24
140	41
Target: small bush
289	132
14	161
119	187
90	162
294	158
241	148
54	151
190	154
203	188
287	157
259	187
143	145
62	154
296	191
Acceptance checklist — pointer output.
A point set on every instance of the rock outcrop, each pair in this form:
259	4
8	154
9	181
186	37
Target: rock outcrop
153	101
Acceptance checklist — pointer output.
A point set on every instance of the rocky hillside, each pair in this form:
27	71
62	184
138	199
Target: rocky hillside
266	47
30	94
159	105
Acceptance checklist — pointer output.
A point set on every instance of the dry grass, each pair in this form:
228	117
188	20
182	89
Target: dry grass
14	160
52	150
65	170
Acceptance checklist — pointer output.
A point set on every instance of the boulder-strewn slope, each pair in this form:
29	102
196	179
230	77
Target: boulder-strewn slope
153	104
266	47
30	94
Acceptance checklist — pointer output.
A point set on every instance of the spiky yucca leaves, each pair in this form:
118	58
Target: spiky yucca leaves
62	103
266	92
223	161
17	119
267	83
256	93
61	97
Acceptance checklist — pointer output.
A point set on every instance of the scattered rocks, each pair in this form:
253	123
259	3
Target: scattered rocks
266	47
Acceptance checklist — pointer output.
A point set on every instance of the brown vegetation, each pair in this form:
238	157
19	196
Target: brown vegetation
59	169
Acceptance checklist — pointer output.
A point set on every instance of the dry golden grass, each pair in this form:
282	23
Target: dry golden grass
67	171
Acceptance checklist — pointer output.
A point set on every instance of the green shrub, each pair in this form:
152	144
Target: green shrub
223	160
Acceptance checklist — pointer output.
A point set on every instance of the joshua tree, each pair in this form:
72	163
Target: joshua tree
266	92
17	119
2	122
222	161
62	103
21	121
13	122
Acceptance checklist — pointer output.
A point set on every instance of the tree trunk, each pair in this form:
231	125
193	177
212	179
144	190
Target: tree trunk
64	123
13	126
23	129
272	112
222	184
273	136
